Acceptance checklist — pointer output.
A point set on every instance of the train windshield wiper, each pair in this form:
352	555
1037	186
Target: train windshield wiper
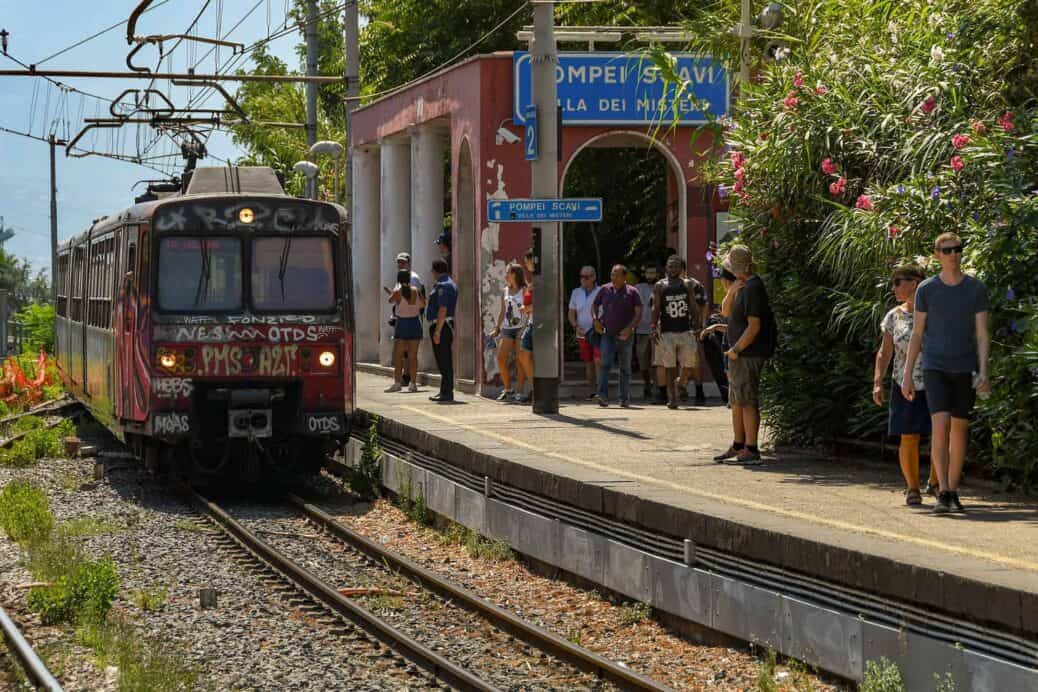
202	291
283	265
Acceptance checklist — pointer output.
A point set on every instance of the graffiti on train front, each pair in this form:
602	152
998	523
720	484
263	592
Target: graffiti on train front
172	387
219	334
271	361
281	216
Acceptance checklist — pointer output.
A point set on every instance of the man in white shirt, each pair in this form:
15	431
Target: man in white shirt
643	334
582	321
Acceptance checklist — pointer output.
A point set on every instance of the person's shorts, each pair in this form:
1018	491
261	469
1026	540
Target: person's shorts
588	353
408	329
526	341
744	380
511	333
643	351
908	417
677	349
949	392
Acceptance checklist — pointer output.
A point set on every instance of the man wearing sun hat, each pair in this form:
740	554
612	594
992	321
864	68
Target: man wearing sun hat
752	335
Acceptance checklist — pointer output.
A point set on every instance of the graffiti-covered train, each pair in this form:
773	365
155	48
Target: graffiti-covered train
211	328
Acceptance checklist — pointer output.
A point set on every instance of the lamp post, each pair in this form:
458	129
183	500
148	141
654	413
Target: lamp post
770	18
333	149
310	170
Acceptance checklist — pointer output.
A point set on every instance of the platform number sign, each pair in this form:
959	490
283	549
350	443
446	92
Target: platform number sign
531	145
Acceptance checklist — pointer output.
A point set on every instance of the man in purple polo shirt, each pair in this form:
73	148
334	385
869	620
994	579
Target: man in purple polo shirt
617	310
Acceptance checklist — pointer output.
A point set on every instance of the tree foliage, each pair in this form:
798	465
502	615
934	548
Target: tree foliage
889	123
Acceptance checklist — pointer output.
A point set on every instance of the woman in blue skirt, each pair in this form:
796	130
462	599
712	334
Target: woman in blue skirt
909	419
407	333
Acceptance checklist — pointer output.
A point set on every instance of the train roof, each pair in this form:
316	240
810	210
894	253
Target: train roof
203	182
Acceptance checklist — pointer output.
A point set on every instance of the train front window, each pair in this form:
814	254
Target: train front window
293	274
200	274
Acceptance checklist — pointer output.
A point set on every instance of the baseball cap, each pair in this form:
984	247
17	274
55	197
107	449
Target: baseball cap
403	257
444	239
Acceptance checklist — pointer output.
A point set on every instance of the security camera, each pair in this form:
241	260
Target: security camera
505	135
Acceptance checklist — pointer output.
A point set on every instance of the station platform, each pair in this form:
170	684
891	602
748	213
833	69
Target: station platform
839	520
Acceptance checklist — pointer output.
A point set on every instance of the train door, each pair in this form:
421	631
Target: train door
126	323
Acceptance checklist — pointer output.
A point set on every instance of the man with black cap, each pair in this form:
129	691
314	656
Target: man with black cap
751	333
444	243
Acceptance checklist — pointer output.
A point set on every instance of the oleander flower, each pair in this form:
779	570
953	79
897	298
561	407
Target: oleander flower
738	159
960	141
979	127
791	101
798	79
928	105
837	188
864	202
821	90
957	163
828	167
893	231
1005	121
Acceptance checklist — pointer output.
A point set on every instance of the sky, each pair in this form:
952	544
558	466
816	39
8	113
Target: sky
90	187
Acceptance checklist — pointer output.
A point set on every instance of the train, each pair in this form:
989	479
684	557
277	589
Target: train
209	326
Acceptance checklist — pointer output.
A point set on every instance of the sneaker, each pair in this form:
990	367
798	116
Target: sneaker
745	458
956	505
604	403
913	498
505	395
624	403
730	453
943	505
413	387
395	387
672	404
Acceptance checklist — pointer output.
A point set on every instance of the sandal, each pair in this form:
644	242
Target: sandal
913	498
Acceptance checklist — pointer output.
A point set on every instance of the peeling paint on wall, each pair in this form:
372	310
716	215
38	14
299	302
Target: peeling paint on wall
492	284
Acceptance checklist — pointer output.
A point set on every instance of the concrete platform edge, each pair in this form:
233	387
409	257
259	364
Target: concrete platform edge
981	603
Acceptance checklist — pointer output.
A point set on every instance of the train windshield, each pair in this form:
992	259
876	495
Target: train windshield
200	275
293	274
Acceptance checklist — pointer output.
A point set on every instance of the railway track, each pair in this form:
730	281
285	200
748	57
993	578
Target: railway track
35	670
451	633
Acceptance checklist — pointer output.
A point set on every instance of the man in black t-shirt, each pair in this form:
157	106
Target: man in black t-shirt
751	333
676	311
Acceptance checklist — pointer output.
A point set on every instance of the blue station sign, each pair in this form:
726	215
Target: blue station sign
547	210
625	89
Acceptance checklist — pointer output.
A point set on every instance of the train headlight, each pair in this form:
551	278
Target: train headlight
245	215
167	360
326	359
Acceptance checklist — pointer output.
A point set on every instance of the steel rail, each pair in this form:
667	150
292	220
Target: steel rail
448	672
34	668
503	619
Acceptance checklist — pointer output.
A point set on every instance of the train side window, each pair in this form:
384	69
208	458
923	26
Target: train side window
99	296
62	285
76	311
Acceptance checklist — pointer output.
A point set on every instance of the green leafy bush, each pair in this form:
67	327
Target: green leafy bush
38	328
25	513
84	593
886	125
20	454
882	676
366	478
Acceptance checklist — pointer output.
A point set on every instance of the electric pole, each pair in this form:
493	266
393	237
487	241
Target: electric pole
351	36
53	224
312	53
545	185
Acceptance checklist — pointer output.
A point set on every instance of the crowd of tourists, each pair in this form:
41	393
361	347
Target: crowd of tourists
936	337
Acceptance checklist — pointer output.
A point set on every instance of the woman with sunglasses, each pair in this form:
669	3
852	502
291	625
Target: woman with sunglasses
909	419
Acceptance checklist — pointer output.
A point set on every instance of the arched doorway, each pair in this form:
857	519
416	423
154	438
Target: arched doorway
464	261
644	195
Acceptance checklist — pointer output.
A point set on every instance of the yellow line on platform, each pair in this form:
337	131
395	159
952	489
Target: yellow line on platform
727	499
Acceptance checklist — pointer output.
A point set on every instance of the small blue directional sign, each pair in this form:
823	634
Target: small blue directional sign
549	210
532	143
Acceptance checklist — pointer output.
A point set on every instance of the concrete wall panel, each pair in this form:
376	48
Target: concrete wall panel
470	508
583	554
747	612
681	591
439	495
822	637
526	532
628	571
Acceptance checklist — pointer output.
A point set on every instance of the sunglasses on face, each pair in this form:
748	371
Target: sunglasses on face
586	276
957	249
903	280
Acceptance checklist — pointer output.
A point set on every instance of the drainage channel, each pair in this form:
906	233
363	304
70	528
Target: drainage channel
993	655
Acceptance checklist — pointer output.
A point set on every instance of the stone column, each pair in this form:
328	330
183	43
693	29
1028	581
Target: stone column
395	221
427	189
367	293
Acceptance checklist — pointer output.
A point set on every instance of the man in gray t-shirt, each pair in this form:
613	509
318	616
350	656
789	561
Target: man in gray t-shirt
951	330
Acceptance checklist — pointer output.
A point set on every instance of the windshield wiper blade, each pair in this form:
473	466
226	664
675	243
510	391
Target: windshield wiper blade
203	278
283	265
